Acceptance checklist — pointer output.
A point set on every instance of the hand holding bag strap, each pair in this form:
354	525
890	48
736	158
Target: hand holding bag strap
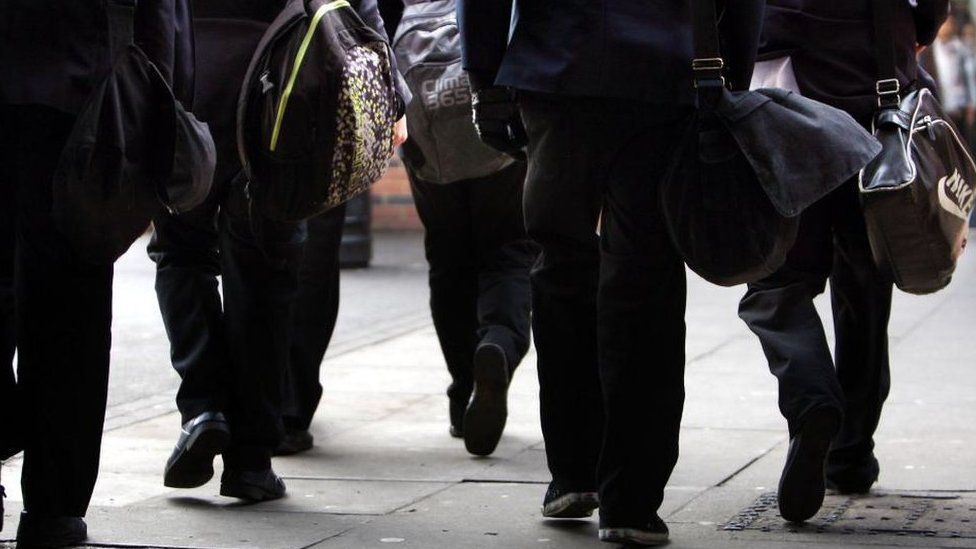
888	86
708	64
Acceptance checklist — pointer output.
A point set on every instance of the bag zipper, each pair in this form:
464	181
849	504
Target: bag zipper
928	122
425	15
432	27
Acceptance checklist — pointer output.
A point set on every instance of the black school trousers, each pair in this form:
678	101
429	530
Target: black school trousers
608	309
832	245
62	326
314	320
479	258
230	348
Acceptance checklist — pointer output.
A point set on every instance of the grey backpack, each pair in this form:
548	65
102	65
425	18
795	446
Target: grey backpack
443	145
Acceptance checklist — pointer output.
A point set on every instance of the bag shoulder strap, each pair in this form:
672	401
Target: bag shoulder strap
708	64
888	86
121	16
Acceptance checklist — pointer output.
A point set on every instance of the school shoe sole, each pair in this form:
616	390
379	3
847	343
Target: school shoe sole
485	417
802	485
633	536
574	505
191	464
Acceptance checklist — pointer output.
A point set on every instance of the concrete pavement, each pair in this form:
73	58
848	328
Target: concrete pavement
386	474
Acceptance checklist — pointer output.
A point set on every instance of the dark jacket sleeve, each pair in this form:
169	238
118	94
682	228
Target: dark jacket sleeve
741	28
369	12
929	17
484	28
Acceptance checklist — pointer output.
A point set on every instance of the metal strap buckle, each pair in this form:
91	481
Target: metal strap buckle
713	65
708	64
889	92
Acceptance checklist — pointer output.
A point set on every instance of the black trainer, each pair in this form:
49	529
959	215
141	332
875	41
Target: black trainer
295	441
37	531
191	463
802	486
653	533
255	486
560	504
484	420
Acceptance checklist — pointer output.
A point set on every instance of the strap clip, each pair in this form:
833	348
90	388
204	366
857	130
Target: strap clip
709	68
889	93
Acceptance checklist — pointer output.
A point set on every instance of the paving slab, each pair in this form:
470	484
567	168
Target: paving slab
479	515
188	525
311	495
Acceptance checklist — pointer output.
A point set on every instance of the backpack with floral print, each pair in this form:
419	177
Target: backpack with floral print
316	112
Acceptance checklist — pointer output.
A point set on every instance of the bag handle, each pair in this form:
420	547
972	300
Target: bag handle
708	65
888	87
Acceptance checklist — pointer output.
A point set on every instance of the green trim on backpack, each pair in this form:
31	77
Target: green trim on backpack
299	58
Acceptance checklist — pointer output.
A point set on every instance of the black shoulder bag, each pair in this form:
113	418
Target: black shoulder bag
134	151
918	194
749	163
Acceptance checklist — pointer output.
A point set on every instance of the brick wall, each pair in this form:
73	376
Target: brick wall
393	207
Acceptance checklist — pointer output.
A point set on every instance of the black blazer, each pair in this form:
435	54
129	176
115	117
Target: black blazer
52	52
831	44
634	49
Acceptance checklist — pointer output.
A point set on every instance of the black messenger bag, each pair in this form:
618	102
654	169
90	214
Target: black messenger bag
443	146
748	164
316	112
134	151
918	195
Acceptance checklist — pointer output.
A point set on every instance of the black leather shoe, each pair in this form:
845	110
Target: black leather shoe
295	441
44	532
254	486
191	463
456	411
852	478
484	420
3	495
802	486
653	533
565	504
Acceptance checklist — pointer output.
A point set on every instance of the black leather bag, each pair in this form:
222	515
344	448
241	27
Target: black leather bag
747	166
918	194
134	152
316	112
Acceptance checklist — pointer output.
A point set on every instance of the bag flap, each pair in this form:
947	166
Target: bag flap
800	149
736	106
194	163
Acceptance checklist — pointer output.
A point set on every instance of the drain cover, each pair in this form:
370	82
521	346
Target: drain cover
939	515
